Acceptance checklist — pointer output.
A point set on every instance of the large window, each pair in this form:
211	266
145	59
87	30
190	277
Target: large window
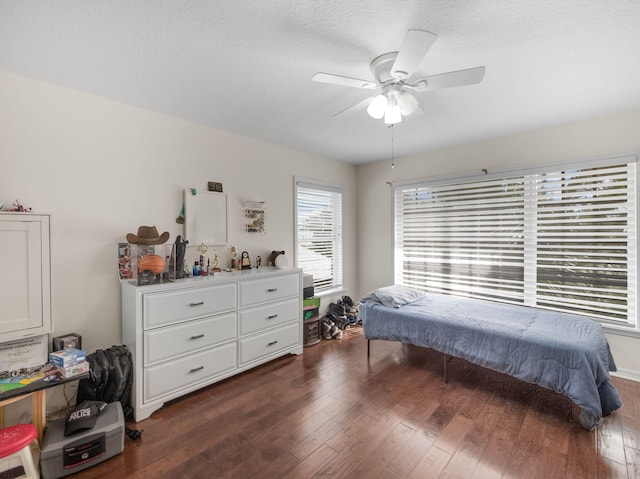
319	232
562	239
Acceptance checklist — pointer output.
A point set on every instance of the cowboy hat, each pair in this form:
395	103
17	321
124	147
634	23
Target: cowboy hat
148	235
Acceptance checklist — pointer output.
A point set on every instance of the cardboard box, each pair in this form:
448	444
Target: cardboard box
67	357
311	302
74	370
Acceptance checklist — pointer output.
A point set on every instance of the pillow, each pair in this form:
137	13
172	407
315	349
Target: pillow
370	298
394	296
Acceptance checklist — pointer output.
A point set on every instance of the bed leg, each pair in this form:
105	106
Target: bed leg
368	347
446	379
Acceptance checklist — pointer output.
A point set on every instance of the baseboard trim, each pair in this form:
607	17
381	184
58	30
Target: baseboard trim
627	374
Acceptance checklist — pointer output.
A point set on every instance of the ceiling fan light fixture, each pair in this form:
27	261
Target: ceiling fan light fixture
407	103
378	107
393	114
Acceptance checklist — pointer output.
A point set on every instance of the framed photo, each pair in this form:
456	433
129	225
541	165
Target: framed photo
255	215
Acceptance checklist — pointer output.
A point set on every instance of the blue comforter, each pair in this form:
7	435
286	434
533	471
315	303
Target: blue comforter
563	352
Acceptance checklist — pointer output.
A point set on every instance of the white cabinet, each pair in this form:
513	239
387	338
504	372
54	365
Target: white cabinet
196	331
25	279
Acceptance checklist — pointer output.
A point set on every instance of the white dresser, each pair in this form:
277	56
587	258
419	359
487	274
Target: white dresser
197	331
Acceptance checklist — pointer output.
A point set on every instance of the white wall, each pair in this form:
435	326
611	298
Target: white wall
102	168
607	136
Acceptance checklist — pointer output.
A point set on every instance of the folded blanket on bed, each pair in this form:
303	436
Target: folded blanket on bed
564	352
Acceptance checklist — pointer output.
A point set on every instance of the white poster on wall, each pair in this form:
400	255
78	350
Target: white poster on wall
205	215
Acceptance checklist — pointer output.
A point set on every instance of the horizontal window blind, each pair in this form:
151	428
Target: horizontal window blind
585	240
562	240
465	239
319	233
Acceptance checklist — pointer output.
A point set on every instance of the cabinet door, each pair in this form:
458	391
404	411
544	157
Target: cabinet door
24	284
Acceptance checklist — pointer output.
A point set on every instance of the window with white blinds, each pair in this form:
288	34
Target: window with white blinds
562	240
319	232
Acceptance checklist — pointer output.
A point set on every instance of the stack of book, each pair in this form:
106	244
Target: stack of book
70	362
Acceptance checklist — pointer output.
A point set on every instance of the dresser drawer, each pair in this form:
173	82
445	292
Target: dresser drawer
165	343
166	378
268	315
268	343
164	308
269	289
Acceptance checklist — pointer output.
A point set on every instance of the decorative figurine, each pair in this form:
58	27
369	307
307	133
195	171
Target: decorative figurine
258	262
246	262
273	256
18	207
234	253
181	247
202	249
216	262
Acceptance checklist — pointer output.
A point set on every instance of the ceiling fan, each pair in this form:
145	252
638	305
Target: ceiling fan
392	76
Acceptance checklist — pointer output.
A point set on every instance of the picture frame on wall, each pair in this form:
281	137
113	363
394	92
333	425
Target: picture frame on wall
255	215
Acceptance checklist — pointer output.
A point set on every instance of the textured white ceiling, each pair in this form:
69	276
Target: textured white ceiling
246	65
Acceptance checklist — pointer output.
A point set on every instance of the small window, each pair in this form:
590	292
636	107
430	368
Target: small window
319	232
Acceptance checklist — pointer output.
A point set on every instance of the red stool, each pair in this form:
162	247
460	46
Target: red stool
15	441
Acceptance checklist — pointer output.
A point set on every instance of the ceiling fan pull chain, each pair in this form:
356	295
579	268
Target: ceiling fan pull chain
392	160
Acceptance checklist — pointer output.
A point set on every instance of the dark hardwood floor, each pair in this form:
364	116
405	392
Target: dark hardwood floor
333	413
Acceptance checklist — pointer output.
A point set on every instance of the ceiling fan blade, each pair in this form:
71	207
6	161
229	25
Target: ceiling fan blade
470	76
414	47
344	81
358	106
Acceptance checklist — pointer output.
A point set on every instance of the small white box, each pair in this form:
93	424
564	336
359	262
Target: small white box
74	370
67	357
24	353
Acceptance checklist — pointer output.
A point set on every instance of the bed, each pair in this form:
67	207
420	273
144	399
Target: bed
564	352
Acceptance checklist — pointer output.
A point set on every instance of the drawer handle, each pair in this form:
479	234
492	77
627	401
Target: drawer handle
271	343
271	290
198	336
272	316
199	303
195	370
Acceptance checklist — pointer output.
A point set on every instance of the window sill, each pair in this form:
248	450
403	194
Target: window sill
325	293
620	331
